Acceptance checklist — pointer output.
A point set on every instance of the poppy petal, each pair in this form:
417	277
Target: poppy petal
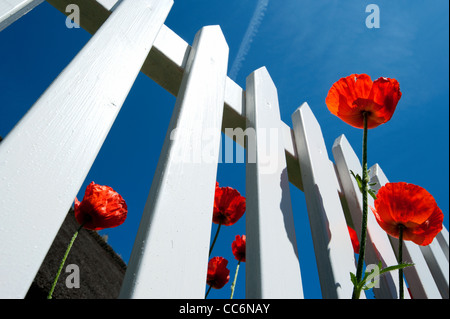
386	92
424	233
218	274
238	247
100	208
411	207
355	95
354	239
229	206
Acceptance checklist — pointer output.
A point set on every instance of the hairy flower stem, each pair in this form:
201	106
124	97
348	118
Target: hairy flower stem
400	261
214	240
63	261
233	285
365	183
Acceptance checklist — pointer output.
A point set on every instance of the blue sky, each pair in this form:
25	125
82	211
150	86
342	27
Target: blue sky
306	46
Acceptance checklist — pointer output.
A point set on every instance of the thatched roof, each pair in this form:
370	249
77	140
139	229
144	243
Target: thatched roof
101	269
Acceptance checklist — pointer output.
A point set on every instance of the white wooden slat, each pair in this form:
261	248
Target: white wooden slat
438	265
176	50
332	244
272	265
378	246
442	239
12	10
419	277
170	254
46	157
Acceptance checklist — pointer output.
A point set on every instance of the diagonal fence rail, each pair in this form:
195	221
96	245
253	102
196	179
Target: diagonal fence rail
72	118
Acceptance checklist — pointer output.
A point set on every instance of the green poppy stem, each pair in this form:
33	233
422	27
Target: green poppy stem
400	261
365	182
63	261
233	285
208	291
215	238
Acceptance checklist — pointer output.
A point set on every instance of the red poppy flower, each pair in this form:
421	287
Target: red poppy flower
354	238
238	247
229	206
411	207
101	208
355	94
218	273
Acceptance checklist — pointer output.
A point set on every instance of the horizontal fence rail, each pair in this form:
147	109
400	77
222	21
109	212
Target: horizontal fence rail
70	121
165	65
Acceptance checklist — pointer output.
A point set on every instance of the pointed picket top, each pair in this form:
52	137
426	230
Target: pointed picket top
170	253
419	278
332	244
272	266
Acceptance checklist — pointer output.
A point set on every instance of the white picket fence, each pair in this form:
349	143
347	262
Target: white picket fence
56	143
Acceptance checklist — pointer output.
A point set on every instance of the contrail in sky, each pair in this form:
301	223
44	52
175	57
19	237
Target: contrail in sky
250	33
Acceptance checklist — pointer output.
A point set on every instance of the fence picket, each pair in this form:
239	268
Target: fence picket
12	10
165	65
170	254
419	277
438	265
378	246
46	157
109	5
332	244
442	239
272	265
